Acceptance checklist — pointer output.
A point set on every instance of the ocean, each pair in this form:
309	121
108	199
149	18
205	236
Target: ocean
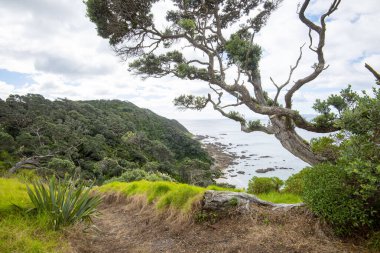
262	150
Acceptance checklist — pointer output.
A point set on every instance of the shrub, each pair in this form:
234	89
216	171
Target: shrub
326	147
107	168
61	167
374	242
295	183
139	174
63	202
151	166
259	185
330	193
6	161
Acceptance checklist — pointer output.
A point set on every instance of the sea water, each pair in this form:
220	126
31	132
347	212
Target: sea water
262	150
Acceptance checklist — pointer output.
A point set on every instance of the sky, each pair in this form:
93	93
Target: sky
50	47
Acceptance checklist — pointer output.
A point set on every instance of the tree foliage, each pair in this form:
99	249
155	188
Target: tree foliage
93	139
346	190
225	57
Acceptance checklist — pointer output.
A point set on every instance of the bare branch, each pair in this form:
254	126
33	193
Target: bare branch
241	120
279	88
197	61
374	73
232	105
321	32
311	42
28	163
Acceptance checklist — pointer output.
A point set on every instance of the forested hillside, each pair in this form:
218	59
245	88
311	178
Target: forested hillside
98	139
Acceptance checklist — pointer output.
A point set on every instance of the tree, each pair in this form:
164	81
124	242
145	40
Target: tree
93	139
346	191
202	25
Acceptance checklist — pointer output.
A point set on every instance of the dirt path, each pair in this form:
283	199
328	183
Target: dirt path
136	227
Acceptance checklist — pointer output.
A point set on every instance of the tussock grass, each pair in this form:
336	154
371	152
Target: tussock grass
218	188
280	197
164	194
21	232
181	196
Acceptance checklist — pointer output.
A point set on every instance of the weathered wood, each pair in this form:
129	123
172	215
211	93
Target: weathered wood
28	163
225	200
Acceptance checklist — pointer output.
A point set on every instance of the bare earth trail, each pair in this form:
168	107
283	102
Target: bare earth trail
133	226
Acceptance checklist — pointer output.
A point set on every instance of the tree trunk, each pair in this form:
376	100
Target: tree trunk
294	143
28	163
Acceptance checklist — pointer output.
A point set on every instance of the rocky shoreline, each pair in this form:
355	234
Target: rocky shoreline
224	158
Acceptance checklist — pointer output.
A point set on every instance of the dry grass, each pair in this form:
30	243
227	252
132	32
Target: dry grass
133	224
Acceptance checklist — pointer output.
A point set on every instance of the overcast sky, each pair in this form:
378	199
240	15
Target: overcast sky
49	47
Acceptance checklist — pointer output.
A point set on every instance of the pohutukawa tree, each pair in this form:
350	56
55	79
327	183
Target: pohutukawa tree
226	58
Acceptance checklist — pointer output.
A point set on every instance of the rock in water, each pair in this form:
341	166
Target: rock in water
264	170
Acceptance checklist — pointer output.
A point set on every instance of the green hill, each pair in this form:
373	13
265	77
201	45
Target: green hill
97	139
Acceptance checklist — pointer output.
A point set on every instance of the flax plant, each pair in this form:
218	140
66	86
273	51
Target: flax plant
63	201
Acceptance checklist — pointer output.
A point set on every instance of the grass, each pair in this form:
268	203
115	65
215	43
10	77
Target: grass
181	197
280	197
12	191
163	193
28	233
21	232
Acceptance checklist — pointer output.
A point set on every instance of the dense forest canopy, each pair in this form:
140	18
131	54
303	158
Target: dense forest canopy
97	139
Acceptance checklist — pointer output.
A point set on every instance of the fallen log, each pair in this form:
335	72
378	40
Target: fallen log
225	200
28	163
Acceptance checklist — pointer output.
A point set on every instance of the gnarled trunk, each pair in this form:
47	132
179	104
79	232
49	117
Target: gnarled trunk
294	143
223	201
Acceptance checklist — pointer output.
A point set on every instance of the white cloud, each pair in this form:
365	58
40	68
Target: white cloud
5	89
351	40
56	43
